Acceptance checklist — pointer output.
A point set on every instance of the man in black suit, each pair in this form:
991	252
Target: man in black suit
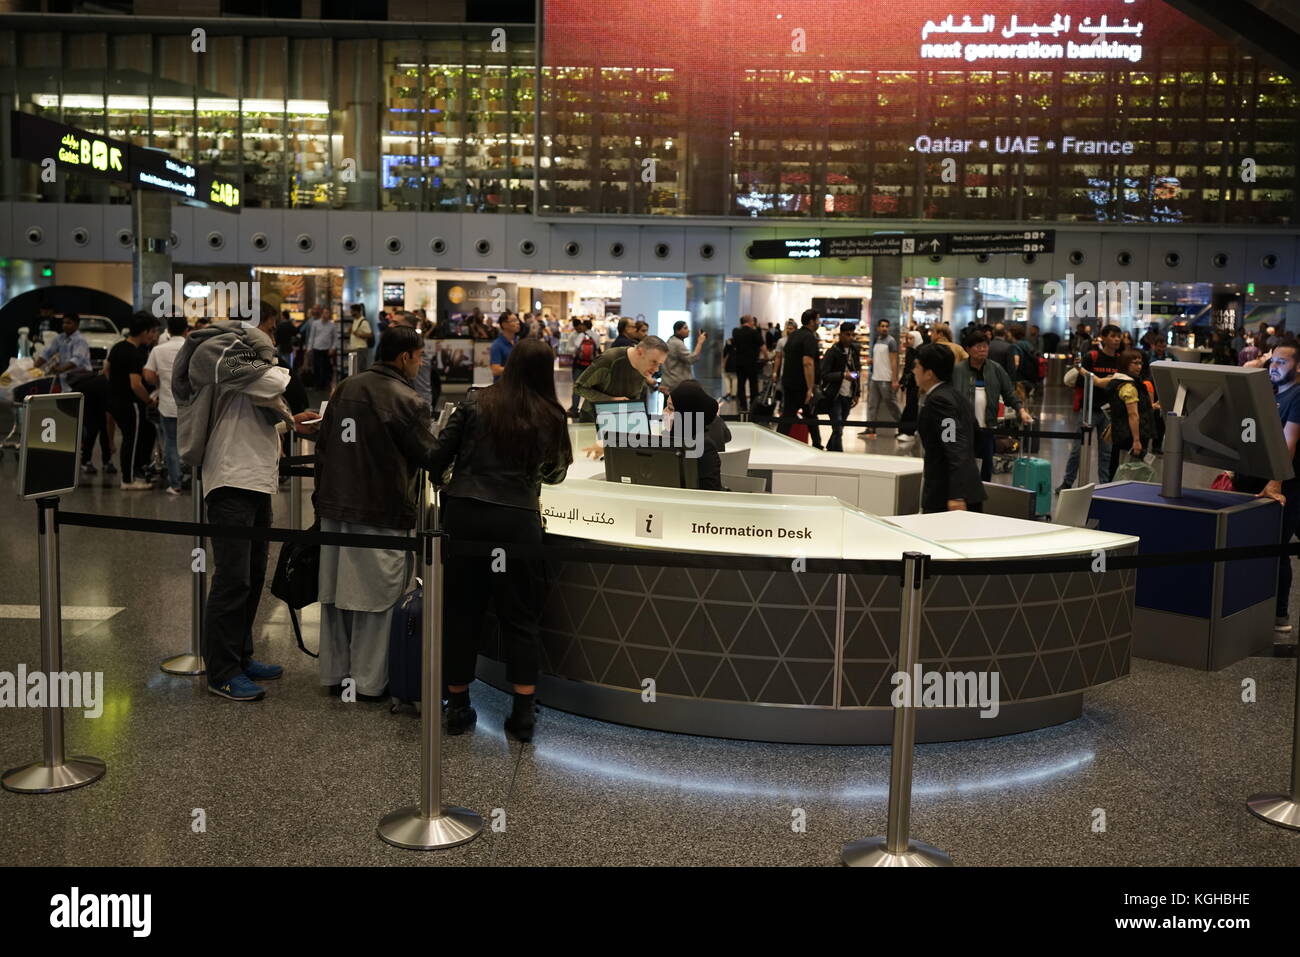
749	350
951	480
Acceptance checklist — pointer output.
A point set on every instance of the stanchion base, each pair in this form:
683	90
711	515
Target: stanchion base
873	852
41	778
1280	809
407	829
184	665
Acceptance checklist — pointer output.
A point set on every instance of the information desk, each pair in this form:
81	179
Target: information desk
1205	616
802	657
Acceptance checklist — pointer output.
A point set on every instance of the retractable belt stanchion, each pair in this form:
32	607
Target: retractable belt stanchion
295	482
1284	809
1087	449
192	663
55	772
431	825
896	849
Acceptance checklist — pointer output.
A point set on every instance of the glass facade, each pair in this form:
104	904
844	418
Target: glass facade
642	115
842	110
437	121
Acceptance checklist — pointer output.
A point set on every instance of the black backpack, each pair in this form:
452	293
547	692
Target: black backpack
297	581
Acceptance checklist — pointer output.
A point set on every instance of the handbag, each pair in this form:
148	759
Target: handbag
297	581
1223	482
764	404
1134	470
821	402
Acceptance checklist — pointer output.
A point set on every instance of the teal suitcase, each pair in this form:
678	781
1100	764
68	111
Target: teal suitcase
1036	476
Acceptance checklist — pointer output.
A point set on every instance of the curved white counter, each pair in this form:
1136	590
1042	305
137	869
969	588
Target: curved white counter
807	657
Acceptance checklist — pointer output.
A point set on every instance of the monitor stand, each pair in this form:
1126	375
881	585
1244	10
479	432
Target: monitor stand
1171	480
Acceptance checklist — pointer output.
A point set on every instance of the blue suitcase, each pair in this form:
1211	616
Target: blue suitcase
1036	476
406	649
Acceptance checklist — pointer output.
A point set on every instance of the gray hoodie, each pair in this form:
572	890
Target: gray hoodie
216	365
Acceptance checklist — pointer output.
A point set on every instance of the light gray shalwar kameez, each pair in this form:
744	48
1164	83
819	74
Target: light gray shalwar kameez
358	589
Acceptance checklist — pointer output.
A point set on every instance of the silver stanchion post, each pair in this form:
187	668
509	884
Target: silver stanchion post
1087	451
432	825
351	365
295	483
191	663
896	849
55	772
1284	809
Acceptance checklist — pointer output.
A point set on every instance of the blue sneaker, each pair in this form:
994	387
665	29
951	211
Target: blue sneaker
257	671
238	688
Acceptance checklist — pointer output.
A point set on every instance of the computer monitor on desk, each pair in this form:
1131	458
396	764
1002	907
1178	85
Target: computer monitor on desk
622	417
631	462
1223	417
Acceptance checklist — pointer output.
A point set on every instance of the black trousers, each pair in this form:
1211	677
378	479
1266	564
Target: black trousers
94	427
516	588
576	404
238	569
322	369
138	436
911	411
840	406
746	386
984	448
790	413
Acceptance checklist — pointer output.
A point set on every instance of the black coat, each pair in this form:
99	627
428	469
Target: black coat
371	477
835	363
950	468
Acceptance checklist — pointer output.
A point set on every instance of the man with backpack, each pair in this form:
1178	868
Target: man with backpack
1027	378
585	350
1101	364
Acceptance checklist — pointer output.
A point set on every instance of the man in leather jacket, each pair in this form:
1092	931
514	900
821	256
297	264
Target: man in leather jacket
376	436
841	382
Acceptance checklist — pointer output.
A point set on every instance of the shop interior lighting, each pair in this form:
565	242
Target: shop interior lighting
182	104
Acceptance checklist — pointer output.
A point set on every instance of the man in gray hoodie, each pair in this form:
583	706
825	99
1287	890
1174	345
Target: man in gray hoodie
230	398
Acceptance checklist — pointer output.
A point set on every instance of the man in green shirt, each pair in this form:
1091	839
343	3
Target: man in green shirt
620	374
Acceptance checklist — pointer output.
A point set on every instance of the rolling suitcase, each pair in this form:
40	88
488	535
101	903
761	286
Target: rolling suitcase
799	432
406	648
1029	444
1036	476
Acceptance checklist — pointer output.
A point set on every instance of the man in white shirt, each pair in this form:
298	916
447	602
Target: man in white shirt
158	374
362	338
241	473
884	377
323	344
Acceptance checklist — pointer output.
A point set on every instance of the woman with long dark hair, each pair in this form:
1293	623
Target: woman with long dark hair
502	444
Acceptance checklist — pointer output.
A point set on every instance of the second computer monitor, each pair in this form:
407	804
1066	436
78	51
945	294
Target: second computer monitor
631	463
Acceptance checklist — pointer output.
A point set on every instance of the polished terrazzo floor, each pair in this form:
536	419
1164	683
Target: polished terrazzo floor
1167	754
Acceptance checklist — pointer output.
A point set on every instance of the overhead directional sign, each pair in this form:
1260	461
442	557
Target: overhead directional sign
37	139
905	244
1025	241
156	169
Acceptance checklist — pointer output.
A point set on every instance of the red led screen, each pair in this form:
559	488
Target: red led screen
722	36
1085	110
